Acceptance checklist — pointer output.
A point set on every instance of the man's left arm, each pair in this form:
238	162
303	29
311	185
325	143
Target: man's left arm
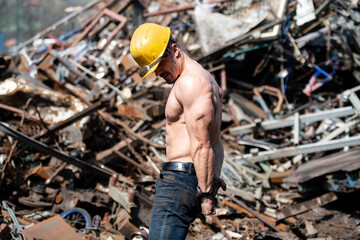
195	97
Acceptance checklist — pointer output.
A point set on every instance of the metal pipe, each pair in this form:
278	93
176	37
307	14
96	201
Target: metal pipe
296	128
302	149
256	214
287	122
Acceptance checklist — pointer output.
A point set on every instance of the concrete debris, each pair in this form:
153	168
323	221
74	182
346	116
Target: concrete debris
82	135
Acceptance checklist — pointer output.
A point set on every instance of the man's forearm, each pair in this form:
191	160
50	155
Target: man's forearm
204	162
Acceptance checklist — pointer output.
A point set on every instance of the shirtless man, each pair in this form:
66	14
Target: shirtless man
190	178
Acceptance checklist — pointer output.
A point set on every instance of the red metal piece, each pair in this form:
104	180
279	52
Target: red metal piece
122	21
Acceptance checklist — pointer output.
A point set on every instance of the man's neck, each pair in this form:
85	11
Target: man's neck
183	62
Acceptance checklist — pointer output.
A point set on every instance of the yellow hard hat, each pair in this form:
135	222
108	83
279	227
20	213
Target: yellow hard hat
148	45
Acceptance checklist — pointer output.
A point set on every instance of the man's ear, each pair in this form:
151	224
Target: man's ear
175	50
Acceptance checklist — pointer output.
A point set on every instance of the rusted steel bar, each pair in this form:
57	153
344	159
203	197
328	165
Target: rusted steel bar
133	151
27	115
216	220
281	226
256	214
180	9
109	118
237	207
58	170
134	163
108	152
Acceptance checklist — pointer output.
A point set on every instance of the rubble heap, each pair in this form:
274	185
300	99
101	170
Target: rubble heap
83	136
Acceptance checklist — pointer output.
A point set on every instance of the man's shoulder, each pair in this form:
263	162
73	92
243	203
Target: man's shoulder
190	88
194	78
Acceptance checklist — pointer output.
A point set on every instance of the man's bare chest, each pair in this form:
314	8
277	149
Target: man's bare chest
173	109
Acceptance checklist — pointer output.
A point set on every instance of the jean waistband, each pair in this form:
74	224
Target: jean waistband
187	167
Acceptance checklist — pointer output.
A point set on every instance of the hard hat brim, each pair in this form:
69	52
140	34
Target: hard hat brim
151	70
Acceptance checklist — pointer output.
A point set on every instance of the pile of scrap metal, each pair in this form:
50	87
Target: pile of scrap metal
82	135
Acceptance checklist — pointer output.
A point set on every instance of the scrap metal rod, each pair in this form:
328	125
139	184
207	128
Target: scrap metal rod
256	214
107	117
27	115
87	81
104	81
134	163
216	220
41	147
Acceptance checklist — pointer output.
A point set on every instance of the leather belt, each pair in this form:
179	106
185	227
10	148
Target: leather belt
187	167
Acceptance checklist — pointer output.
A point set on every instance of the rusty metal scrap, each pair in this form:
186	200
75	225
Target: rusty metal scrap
53	152
306	206
121	19
52	228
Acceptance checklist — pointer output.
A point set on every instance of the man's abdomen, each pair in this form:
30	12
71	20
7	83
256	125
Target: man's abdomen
177	143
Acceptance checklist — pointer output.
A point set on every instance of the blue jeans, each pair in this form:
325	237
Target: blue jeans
175	206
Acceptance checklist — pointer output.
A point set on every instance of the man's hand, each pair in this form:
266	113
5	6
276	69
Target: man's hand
207	206
217	183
